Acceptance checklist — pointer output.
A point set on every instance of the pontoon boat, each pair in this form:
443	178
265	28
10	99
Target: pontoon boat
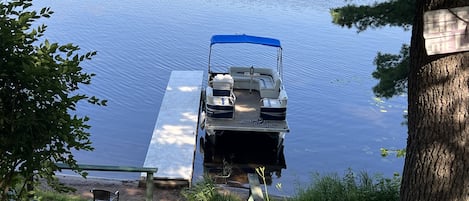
245	99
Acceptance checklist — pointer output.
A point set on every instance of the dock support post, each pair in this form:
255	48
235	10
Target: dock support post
150	186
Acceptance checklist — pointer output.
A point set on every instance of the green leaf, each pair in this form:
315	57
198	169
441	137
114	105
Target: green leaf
47	44
43	10
63	48
53	47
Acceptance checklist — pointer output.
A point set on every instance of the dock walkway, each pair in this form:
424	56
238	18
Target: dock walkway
173	144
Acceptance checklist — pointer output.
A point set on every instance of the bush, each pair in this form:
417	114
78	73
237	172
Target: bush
350	188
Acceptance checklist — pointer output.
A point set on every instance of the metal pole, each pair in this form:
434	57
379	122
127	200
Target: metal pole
251	72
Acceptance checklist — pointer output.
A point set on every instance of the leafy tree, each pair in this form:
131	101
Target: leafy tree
436	164
38	95
392	12
391	69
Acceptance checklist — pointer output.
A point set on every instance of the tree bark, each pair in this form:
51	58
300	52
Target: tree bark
437	155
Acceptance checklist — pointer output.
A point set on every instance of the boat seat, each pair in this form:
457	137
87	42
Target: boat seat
279	102
270	88
222	85
222	101
274	108
264	80
219	106
266	83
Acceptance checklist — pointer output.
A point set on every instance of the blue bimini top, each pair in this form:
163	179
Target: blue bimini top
244	39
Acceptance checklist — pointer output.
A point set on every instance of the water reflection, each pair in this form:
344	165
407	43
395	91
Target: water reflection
230	156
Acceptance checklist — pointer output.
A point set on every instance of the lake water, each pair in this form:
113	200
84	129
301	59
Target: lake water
335	121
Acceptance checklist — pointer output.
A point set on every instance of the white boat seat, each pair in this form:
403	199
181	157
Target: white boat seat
274	108
222	101
272	103
266	83
279	102
219	106
264	80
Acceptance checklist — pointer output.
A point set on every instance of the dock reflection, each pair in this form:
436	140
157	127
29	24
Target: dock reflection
230	156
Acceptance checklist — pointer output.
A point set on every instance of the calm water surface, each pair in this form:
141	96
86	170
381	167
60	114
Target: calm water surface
335	122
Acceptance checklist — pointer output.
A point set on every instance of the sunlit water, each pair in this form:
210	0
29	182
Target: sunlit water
335	122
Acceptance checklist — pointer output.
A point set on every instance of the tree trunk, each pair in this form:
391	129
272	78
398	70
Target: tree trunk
437	155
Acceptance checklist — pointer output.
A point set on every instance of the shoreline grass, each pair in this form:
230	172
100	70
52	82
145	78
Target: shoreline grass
351	187
329	187
205	190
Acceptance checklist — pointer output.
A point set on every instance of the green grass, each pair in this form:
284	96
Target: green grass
205	190
351	187
331	187
54	196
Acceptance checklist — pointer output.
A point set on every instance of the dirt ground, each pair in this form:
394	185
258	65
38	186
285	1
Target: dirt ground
130	190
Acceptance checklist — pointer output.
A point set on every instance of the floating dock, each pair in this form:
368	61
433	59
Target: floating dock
173	144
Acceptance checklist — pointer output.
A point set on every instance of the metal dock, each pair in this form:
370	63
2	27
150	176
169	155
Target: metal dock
173	144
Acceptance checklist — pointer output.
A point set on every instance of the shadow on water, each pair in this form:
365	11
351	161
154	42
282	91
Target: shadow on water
230	156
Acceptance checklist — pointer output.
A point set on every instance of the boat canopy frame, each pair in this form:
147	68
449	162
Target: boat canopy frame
243	38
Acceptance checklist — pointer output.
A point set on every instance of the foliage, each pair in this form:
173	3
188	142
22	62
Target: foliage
38	91
350	188
391	69
261	172
392	12
205	190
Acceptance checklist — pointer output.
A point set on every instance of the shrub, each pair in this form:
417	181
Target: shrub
351	187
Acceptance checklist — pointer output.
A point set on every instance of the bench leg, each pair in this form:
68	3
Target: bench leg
150	187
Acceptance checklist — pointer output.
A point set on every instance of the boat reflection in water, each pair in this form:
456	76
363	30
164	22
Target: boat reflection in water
237	153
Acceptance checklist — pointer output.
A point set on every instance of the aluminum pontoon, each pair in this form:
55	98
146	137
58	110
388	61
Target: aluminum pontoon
245	99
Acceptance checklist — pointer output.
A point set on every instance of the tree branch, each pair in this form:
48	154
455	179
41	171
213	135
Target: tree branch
393	13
